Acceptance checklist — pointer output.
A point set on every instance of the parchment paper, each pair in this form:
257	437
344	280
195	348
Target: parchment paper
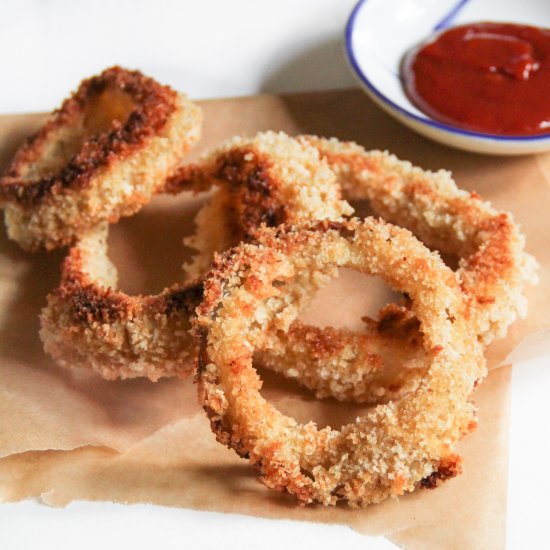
181	465
67	434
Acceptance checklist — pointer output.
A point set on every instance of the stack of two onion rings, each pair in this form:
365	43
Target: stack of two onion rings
493	270
249	306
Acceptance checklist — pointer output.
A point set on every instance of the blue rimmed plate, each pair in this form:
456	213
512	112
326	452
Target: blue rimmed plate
378	34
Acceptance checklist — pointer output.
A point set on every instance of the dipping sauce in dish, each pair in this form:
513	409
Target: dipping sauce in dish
486	77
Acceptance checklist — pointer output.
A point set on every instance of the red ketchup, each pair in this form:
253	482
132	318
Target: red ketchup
486	77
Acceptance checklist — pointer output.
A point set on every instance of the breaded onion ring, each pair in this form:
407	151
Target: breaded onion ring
268	179
393	448
385	360
101	156
494	268
271	179
90	324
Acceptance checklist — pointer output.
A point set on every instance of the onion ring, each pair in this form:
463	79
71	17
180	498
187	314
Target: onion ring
101	156
87	323
493	269
265	180
392	449
385	361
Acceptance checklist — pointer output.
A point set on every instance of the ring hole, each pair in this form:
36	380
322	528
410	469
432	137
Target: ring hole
450	260
147	248
343	304
293	400
104	109
347	299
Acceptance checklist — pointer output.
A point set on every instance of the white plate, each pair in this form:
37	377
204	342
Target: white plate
379	32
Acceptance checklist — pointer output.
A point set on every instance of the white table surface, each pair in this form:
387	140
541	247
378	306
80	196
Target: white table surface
218	48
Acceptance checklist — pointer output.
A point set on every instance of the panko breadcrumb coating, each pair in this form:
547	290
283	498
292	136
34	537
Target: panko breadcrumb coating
393	448
101	156
88	323
382	362
268	179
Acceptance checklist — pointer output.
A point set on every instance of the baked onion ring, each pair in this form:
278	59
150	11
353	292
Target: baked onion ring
393	448
101	156
270	178
385	360
88	323
494	268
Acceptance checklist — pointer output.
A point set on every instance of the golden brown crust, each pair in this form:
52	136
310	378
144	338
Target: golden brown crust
153	106
87	322
90	302
268	179
251	188
390	450
102	155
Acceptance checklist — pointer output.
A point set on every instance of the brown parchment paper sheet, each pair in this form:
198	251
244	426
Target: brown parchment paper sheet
67	435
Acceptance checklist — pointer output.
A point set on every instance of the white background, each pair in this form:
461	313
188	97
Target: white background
217	48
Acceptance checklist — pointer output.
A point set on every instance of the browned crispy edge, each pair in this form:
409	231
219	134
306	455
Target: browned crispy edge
447	469
253	190
91	302
154	104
